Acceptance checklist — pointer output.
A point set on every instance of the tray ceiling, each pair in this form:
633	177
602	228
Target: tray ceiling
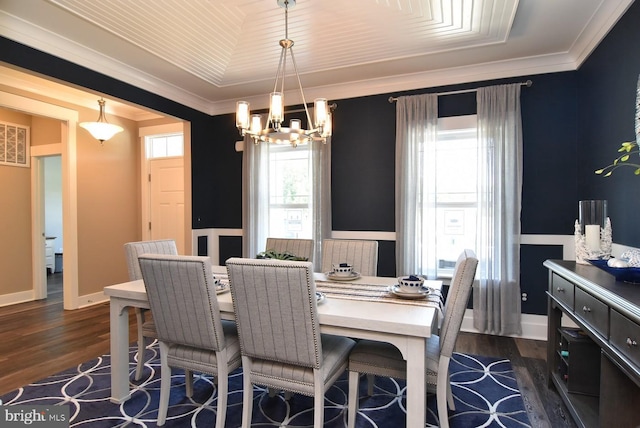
207	54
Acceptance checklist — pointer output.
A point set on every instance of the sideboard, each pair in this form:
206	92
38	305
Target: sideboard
595	367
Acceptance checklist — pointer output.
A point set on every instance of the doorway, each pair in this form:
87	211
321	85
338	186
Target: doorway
53	225
163	183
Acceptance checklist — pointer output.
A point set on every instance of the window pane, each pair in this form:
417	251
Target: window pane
175	145
158	147
456	187
289	192
162	146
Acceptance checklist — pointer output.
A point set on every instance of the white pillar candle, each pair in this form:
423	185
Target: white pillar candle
592	236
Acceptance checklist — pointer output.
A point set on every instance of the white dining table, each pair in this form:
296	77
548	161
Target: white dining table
404	325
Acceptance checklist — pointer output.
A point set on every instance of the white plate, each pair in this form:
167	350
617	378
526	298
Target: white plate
332	276
320	297
395	289
222	288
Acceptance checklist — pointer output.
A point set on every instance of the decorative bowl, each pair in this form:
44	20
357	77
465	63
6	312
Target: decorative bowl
342	269
410	284
626	274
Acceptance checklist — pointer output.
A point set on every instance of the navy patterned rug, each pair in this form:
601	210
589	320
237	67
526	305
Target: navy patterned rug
485	391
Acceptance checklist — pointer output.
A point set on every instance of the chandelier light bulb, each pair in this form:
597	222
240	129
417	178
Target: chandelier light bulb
242	115
320	111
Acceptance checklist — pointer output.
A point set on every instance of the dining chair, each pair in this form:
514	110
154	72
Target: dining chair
383	359
191	334
297	247
282	348
363	255
146	327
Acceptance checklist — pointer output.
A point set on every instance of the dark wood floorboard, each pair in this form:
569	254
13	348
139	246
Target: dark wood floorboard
38	339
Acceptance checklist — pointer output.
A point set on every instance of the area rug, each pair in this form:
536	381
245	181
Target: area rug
485	391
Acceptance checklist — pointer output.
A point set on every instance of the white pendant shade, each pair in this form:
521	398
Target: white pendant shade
101	130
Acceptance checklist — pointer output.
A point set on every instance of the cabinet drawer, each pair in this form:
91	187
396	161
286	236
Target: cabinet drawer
593	312
562	290
625	336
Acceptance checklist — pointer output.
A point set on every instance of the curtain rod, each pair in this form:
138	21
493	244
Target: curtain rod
528	83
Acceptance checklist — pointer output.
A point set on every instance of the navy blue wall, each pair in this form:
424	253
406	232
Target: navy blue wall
573	123
607	94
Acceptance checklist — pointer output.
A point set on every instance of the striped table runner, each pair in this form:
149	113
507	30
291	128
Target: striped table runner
376	292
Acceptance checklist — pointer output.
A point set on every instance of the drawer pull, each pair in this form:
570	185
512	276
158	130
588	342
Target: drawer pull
560	290
586	309
631	342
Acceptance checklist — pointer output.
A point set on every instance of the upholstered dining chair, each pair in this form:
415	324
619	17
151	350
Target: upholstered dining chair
297	247
146	327
282	348
363	255
191	334
383	359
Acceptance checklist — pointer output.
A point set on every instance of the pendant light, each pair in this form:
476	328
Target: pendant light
101	130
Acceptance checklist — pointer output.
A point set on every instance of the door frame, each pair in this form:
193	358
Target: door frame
67	150
38	154
145	170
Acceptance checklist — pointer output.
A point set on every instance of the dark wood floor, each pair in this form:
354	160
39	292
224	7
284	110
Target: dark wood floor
40	338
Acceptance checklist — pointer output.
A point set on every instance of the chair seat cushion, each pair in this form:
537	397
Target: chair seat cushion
203	360
384	359
288	377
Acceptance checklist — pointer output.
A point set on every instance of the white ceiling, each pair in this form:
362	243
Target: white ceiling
209	53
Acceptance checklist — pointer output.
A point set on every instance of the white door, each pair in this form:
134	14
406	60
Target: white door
166	194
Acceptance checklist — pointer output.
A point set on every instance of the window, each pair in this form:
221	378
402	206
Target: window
164	146
290	192
456	189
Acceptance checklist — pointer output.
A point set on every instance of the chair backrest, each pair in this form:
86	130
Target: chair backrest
363	255
276	310
464	274
183	300
134	249
297	247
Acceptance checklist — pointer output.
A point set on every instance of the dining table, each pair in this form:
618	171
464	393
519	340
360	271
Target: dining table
362	307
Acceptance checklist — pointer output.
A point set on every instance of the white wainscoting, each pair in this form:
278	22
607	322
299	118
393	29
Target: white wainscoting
213	241
533	326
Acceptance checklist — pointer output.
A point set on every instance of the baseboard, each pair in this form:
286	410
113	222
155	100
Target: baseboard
92	299
15	298
533	326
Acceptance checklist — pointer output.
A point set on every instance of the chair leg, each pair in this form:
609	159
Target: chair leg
247	393
188	382
165	385
452	404
354	380
223	388
371	380
318	399
140	320
441	391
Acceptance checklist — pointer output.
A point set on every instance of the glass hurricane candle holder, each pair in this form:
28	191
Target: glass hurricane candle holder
592	231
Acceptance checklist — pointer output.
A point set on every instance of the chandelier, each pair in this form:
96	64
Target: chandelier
101	130
274	131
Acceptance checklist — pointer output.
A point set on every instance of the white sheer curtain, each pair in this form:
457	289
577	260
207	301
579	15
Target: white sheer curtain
416	132
255	207
496	297
321	180
255	197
